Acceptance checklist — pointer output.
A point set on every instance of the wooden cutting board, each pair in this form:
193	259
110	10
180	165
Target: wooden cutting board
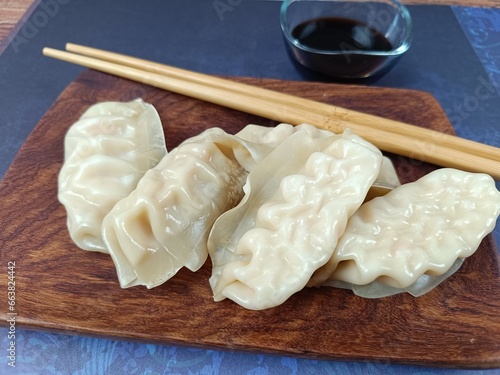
61	288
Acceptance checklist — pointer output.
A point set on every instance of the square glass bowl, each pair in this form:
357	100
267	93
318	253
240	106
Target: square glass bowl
346	39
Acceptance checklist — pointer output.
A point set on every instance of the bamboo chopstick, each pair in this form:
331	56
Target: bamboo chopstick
346	118
388	135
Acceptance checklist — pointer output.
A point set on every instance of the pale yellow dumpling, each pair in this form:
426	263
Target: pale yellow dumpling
296	205
417	230
107	151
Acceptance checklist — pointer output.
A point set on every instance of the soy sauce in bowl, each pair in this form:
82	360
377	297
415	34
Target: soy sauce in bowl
325	37
348	36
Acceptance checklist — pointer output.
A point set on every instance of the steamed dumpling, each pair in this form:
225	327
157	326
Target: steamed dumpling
415	234
163	225
107	151
296	205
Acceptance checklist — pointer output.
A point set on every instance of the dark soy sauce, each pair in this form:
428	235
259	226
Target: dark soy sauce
348	36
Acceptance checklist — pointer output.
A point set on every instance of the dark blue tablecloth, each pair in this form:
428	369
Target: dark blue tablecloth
455	56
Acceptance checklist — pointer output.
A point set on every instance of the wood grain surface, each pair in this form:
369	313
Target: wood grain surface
63	289
12	12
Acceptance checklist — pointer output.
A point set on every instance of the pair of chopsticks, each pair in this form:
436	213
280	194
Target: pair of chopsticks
388	135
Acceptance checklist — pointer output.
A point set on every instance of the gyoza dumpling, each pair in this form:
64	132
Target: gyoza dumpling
106	152
416	233
296	205
163	225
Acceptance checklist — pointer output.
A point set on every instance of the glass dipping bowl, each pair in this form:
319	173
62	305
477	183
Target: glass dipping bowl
346	39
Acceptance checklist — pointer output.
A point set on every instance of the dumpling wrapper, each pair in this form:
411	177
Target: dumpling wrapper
107	151
386	180
417	235
163	225
296	205
274	136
